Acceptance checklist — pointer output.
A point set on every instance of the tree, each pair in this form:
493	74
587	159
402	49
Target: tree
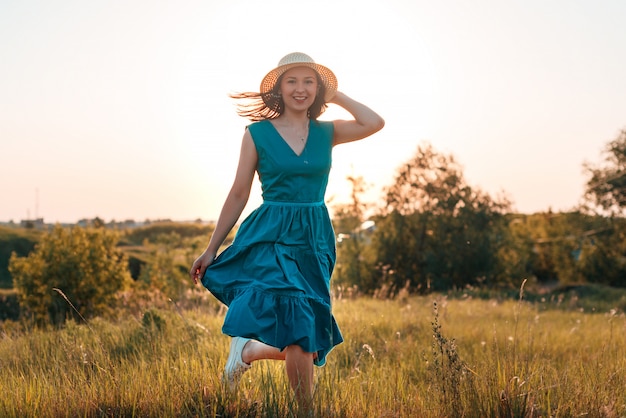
604	258
83	263
528	250
435	231
19	240
571	247
606	187
353	266
167	269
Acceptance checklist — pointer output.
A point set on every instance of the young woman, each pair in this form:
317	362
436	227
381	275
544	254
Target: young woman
275	277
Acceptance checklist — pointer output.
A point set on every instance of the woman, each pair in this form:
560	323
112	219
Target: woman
275	277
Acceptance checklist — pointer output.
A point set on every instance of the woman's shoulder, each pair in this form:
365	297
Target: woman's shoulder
259	127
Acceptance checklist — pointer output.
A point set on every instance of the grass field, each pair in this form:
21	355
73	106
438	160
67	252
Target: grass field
415	357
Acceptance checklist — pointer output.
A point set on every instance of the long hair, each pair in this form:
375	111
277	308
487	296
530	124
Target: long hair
270	105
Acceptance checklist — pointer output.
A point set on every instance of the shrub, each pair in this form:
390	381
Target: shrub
84	264
18	240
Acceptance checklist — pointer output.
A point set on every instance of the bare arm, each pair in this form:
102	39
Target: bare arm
366	122
233	206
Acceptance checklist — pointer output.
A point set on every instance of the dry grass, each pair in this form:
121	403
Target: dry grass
423	356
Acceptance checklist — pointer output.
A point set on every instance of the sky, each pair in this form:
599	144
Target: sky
120	109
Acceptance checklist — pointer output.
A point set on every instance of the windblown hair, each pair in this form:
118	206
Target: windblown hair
270	105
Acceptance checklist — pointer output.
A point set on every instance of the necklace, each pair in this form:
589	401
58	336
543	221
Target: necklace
301	133
294	134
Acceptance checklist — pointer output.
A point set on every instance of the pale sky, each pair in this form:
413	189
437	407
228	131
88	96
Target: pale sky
120	109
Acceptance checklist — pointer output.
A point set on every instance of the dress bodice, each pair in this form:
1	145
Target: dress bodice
286	176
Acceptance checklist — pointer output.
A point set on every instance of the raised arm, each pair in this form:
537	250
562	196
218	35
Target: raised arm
233	206
365	123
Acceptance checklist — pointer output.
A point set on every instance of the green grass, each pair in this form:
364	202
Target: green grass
418	357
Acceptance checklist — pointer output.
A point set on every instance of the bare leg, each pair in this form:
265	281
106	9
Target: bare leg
299	365
256	350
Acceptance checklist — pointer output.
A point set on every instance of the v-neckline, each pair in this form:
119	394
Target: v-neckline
306	142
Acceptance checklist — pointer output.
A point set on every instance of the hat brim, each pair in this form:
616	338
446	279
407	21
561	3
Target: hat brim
328	77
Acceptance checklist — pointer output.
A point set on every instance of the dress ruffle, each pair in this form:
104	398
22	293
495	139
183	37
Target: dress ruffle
282	320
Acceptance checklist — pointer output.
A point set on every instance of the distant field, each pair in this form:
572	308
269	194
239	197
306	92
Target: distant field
418	357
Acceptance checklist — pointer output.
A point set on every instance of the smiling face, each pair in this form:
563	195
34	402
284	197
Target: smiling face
299	87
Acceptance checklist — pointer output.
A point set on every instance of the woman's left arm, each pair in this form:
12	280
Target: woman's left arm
365	123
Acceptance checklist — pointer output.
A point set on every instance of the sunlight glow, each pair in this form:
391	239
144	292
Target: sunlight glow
121	110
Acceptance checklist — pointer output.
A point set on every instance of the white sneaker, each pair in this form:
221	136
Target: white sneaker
235	366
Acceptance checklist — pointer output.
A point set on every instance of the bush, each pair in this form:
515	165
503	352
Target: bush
9	305
84	264
18	240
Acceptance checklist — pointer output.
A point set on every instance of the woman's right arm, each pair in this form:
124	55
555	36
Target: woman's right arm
233	206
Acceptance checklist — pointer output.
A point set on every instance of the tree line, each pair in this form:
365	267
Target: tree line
431	232
435	232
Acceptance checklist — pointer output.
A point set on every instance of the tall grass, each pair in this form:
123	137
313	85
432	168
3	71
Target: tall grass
419	357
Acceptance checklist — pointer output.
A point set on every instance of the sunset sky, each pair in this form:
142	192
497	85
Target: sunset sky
120	109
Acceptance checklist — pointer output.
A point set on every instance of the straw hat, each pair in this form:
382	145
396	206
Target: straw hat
299	59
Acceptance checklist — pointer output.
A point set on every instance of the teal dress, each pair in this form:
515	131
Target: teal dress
275	276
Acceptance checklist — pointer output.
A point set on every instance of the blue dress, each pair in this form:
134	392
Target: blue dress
275	277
